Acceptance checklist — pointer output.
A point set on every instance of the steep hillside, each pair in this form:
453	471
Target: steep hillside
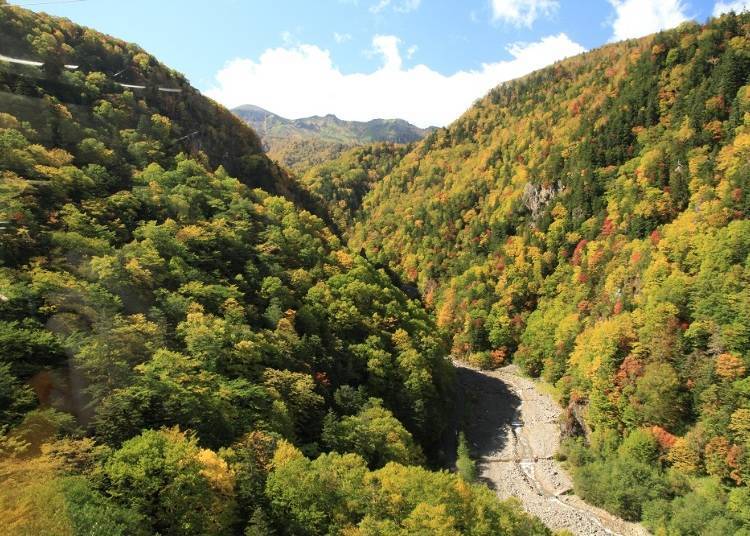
302	143
590	222
341	184
176	344
97	101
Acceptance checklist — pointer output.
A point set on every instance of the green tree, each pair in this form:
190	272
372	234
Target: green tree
373	433
162	476
465	465
174	389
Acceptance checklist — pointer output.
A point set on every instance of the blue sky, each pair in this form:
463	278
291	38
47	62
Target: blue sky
423	60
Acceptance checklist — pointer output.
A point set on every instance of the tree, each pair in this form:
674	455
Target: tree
296	393
109	355
163	476
373	433
174	389
250	461
315	497
27	348
92	513
465	465
658	398
15	397
627	480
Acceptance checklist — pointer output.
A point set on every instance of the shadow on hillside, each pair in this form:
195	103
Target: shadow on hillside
489	408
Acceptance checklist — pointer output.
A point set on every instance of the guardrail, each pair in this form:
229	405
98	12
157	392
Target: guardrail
33	63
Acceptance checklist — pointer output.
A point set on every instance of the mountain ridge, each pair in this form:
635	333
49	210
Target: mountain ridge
307	141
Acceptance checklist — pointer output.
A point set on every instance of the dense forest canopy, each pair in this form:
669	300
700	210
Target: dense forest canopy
340	185
184	348
590	223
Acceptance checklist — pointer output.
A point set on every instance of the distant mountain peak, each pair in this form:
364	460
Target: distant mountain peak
325	136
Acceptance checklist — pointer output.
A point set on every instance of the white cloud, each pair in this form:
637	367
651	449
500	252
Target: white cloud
522	12
342	37
636	18
411	51
400	6
303	80
387	46
407	5
725	7
380	6
287	37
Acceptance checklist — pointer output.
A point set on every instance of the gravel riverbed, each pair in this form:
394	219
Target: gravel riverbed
514	429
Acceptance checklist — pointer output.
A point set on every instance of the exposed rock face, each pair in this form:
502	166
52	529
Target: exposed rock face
573	422
536	197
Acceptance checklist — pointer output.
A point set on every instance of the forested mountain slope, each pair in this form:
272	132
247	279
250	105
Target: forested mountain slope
590	222
97	107
340	184
183	351
302	143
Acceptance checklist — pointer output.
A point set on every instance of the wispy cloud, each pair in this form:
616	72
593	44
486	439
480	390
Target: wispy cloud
636	18
725	7
399	6
303	80
342	37
522	12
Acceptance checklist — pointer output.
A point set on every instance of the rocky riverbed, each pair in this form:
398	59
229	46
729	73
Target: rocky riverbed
514	429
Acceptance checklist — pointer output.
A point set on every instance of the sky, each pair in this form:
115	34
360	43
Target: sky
425	61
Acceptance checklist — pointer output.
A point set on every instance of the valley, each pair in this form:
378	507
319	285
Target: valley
532	321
